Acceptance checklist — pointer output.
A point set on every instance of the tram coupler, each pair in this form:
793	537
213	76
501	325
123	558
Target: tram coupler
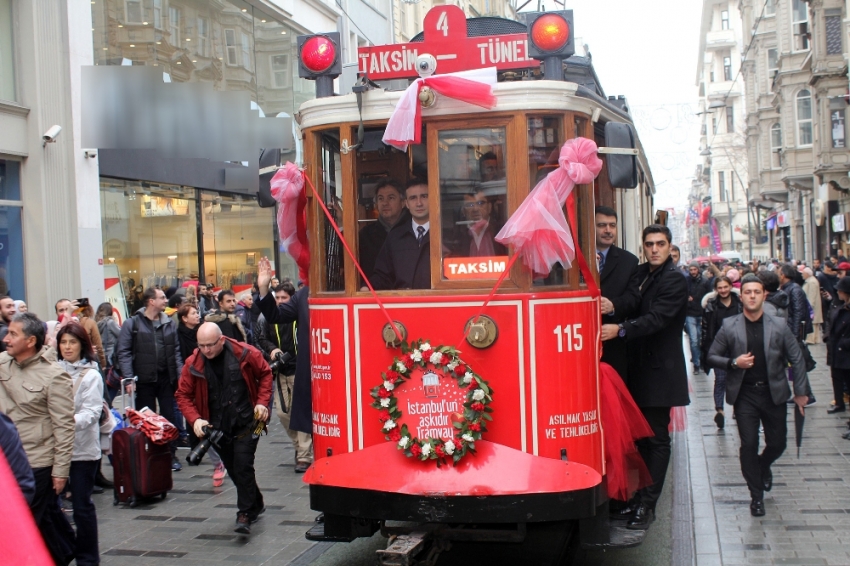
337	528
461	533
600	532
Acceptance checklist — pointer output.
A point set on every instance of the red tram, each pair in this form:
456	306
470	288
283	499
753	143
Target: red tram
541	461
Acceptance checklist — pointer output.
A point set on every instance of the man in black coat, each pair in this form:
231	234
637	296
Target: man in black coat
838	345
658	378
296	310
698	287
405	260
389	201
620	285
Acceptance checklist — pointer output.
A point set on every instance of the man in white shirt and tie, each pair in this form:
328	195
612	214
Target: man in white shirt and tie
405	260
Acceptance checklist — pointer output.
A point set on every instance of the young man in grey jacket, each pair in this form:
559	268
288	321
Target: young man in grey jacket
755	349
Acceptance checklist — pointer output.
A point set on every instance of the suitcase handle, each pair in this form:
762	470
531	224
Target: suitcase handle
132	395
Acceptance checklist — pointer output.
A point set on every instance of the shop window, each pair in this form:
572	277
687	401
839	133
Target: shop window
331	166
473	202
11	235
7	68
804	118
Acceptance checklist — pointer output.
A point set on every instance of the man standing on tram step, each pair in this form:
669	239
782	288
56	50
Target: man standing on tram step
620	285
227	385
756	348
658	377
405	259
148	349
389	201
295	310
698	287
226	318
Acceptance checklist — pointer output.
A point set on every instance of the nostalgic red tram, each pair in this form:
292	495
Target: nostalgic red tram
535	345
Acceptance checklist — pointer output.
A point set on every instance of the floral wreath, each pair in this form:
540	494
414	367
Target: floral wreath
475	409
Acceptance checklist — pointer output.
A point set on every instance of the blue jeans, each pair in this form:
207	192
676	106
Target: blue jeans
719	388
85	518
692	328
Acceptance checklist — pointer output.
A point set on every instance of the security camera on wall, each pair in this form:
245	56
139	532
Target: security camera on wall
50	135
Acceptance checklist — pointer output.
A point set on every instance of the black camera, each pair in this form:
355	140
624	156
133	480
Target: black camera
211	436
279	360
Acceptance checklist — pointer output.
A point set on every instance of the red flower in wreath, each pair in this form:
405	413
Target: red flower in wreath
383	393
395	435
407	361
445	360
475	426
392	376
460	369
477	407
439	450
384	416
416	450
473	385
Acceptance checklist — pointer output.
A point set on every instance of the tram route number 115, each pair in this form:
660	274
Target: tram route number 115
569	337
320	343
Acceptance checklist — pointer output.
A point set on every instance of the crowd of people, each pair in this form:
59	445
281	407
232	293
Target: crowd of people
201	360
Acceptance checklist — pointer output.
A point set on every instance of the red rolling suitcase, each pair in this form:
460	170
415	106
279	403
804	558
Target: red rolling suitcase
141	468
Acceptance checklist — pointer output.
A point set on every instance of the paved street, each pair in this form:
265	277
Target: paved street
703	517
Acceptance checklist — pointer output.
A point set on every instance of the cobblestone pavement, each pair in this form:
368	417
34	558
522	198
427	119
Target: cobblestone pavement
194	524
808	510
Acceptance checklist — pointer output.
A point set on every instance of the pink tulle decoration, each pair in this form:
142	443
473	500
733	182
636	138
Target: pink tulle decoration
287	188
538	230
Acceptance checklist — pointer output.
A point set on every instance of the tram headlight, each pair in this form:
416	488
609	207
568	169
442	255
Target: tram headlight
550	34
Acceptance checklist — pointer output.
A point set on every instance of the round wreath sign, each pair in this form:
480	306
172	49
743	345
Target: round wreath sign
468	425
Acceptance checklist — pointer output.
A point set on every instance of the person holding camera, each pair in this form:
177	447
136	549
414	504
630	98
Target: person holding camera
278	342
226	386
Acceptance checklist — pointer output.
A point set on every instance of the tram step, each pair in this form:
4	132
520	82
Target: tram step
618	537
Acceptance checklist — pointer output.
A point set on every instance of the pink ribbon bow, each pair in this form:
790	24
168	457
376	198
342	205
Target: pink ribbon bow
287	188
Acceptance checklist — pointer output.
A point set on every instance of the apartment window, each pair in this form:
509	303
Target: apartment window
772	67
833	33
246	51
714	125
730	119
231	47
157	14
174	25
203	37
770	7
711	76
280	70
724	19
721	185
776	146
7	61
804	118
727	68
732	185
800	24
133	11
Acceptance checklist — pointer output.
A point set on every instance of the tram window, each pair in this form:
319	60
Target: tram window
545	137
473	201
334	274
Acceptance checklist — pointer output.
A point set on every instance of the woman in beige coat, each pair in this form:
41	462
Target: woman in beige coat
811	288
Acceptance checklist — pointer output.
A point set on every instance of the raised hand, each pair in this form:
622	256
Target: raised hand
264	276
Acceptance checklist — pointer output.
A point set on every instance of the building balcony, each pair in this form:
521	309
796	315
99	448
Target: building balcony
719	89
720	39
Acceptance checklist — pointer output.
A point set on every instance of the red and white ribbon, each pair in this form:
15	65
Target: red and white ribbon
287	188
405	124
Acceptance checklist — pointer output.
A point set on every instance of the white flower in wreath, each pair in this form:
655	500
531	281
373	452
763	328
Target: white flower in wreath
426	448
405	440
468	437
424	347
449	446
478	395
388	385
416	356
400	367
452	364
436	358
385	403
467	378
389	425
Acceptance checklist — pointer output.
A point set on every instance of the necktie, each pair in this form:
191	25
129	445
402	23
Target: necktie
600	258
420	233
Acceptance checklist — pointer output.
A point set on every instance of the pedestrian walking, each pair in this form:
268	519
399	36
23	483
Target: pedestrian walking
811	288
698	287
658	377
7	311
755	348
38	396
148	349
838	346
76	356
226	385
724	304
226	319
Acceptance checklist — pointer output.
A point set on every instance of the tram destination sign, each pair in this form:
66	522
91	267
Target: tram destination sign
446	40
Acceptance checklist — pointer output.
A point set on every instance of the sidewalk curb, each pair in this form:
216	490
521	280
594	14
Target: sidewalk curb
682	528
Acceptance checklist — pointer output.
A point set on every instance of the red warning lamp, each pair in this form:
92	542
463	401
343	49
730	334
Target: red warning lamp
318	53
319	60
550	32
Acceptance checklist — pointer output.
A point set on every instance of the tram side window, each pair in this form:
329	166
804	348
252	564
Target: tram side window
334	275
545	137
473	202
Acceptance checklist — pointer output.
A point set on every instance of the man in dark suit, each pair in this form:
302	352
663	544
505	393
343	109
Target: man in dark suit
404	261
389	201
658	378
475	236
756	349
620	285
